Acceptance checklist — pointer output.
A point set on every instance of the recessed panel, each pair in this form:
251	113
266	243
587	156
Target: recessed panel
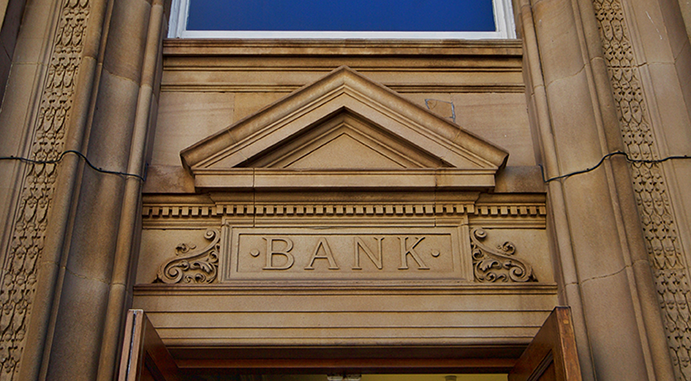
345	253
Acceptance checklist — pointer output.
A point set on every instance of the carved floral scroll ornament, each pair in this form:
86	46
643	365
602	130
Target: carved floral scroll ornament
494	265
192	266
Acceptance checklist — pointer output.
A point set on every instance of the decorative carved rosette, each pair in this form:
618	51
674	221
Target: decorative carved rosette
192	266
494	265
657	218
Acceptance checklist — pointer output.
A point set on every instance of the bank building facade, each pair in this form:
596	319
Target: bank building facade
210	205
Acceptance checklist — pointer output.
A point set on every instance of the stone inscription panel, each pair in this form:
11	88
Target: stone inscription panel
354	253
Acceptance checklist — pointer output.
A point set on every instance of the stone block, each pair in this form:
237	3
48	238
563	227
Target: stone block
249	103
672	109
76	345
111	131
674	24
127	39
520	179
184	118
683	64
168	179
394	318
612	328
594	234
15	124
557	38
499	118
36	23
652	32
95	233
574	125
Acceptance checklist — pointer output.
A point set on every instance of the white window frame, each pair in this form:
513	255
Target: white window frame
503	19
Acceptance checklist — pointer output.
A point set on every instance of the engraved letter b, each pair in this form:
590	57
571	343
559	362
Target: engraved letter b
271	251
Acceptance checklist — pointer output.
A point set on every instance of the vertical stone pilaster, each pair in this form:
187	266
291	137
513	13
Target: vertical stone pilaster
650	186
19	274
601	253
90	280
64	281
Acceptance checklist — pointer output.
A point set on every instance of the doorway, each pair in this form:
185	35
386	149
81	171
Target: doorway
551	356
378	377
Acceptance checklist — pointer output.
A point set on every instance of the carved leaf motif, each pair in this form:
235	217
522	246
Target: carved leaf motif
190	265
494	265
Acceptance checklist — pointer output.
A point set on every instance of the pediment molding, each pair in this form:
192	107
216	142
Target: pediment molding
343	131
371	148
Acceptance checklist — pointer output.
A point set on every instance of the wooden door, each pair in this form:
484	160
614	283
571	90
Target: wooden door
552	355
144	357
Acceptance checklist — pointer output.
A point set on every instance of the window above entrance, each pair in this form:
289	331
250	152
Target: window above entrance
367	19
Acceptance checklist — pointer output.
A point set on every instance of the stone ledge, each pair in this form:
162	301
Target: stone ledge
344	287
226	47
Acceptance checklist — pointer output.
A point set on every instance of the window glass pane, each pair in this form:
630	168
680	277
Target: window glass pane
344	15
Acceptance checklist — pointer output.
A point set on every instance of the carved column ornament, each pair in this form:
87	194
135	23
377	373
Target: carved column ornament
664	249
190	265
497	265
19	270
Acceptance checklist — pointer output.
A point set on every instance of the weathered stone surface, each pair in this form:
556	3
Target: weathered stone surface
402	206
187	117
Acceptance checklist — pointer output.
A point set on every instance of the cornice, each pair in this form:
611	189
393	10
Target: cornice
336	287
516	88
162	210
358	47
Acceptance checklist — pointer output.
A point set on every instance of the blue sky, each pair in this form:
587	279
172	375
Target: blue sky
344	15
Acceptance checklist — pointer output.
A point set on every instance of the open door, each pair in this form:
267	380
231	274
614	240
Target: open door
144	356
552	355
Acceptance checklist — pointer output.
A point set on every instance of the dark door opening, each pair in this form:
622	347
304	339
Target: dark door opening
550	356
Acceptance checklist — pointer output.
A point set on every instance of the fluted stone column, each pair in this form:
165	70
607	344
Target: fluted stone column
89	84
586	103
648	59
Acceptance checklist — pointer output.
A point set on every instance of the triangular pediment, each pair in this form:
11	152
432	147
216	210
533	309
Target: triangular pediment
330	155
343	130
341	142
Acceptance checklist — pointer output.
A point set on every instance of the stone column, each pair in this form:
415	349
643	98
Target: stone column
127	245
600	251
95	280
90	87
42	116
648	59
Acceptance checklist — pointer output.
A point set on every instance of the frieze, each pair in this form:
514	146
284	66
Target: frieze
451	254
350	253
317	237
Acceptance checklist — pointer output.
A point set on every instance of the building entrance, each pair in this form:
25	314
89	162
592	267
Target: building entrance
550	356
371	377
